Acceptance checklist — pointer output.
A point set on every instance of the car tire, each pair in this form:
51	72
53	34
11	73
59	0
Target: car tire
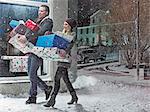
86	60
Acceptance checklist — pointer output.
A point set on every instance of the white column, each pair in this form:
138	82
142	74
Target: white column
49	67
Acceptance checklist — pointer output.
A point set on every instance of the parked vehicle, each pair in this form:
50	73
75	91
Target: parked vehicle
90	54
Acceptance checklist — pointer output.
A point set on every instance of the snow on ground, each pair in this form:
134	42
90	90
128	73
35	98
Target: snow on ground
95	95
84	81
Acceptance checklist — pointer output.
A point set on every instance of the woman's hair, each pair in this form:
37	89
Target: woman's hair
71	22
46	8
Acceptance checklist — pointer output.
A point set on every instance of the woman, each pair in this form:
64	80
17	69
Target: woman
62	70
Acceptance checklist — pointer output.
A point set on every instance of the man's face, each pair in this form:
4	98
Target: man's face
42	12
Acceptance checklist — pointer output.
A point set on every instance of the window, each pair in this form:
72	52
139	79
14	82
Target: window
93	40
93	30
9	12
80	42
81	31
87	30
87	41
93	20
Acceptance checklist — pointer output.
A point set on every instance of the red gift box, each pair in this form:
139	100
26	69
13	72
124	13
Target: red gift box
31	25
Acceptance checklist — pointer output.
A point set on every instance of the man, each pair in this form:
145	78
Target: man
34	62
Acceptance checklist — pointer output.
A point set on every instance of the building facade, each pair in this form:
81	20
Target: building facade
95	33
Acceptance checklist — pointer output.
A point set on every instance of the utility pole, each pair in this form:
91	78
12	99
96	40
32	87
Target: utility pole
137	38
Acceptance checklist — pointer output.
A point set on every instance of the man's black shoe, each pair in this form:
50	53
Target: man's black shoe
31	100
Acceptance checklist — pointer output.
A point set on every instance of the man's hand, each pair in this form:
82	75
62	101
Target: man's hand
22	39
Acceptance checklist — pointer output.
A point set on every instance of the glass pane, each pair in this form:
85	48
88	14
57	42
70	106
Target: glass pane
16	12
10	12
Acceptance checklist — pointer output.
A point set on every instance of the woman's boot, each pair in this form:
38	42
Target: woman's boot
51	102
74	98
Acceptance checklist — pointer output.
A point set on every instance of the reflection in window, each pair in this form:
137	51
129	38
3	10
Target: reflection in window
16	12
10	12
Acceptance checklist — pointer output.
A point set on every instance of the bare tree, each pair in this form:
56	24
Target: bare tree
122	23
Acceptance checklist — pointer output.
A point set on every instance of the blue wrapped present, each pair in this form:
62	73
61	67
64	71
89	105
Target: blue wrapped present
52	40
13	23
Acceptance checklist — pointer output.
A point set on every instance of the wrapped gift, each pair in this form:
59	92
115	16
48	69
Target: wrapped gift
55	54
21	29
19	64
52	54
38	51
28	48
13	23
46	52
52	40
23	47
69	38
32	25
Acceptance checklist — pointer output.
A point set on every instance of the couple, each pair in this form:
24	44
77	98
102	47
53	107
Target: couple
46	25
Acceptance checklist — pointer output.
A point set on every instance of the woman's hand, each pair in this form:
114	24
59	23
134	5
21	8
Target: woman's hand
62	53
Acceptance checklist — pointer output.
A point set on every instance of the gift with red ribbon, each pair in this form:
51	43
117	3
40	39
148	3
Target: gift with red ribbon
32	25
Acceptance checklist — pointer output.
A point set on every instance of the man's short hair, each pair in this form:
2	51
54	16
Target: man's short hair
46	8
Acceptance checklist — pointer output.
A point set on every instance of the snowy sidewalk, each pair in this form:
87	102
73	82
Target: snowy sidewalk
94	96
98	90
117	74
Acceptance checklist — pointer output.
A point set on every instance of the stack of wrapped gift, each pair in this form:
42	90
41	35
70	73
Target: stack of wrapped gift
51	47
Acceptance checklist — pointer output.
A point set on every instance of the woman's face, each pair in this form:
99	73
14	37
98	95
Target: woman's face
67	27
